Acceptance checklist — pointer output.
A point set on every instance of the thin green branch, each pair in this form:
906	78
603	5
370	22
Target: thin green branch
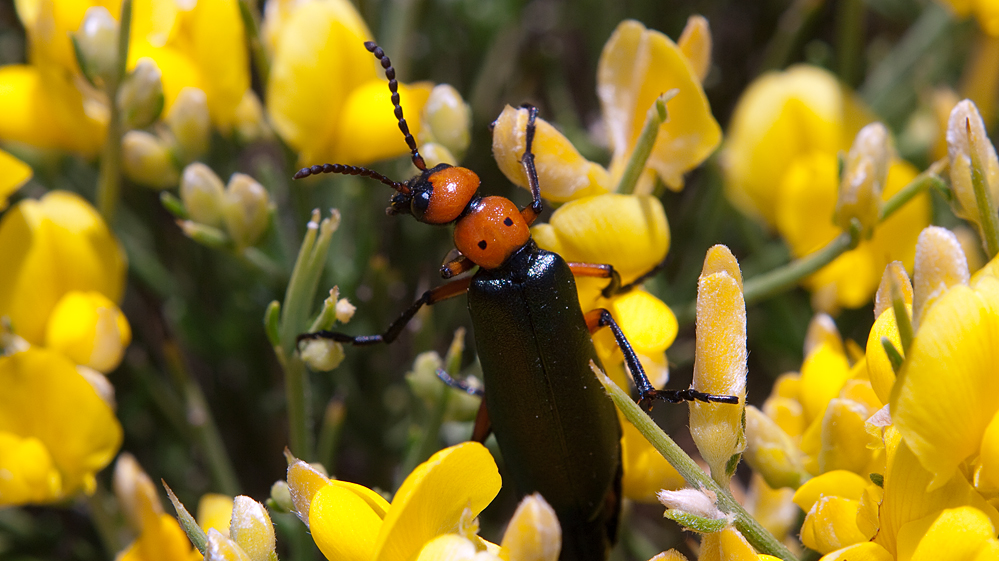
109	174
849	40
654	117
247	10
923	182
983	195
754	532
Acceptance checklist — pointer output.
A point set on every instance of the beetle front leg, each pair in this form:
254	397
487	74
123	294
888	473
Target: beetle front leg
595	319
430	297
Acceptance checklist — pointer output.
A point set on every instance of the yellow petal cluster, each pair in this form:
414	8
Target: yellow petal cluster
636	66
56	432
780	164
326	96
13	174
441	496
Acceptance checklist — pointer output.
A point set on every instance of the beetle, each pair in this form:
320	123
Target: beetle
556	428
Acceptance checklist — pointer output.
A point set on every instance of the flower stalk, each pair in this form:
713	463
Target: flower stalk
755	533
109	175
655	117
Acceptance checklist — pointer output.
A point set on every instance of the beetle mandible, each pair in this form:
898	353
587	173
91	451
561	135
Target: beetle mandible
554	424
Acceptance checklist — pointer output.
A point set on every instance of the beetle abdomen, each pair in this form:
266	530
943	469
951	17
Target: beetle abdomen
557	429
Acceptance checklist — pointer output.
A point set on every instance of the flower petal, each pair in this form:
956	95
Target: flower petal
867	551
636	66
944	398
13	174
431	500
43	397
368	130
344	524
949	535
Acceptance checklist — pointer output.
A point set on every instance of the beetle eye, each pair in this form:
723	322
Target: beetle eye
421	202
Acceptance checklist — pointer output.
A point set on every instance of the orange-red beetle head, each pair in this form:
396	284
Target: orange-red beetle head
438	195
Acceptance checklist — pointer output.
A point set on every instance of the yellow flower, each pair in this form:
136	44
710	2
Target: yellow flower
13	174
55	430
49	248
326	95
201	46
441	496
636	66
780	166
160	535
942	401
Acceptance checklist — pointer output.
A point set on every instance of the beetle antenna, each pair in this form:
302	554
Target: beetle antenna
351	170
394	88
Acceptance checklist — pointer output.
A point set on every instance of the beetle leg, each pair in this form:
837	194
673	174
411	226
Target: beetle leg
461	385
531	213
595	319
430	297
456	267
605	271
483	426
600	271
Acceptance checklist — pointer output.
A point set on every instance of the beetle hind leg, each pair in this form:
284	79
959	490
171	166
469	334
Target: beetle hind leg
647	393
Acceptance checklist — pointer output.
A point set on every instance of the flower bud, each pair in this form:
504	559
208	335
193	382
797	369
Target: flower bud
190	123
252	530
894	275
939	265
720	366
202	193
434	154
966	134
322	355
246	209
304	481
96	46
146	160
140	97
534	533
771	452
563	172
864	179
822	329
447	119
89	329
135	492
281	497
344	310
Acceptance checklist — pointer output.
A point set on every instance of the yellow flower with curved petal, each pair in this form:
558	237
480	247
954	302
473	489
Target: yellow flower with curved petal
780	165
943	402
55	430
326	96
351	522
89	329
13	174
50	247
636	66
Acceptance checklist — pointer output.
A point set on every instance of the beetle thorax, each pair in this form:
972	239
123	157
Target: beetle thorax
491	231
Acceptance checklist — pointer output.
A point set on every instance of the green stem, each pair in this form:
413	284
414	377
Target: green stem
902	321
250	23
654	117
783	278
983	196
200	419
922	182
295	320
754	532
849	39
109	174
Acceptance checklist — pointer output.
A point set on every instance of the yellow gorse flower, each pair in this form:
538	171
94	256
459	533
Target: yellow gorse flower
13	174
326	96
780	164
56	432
198	45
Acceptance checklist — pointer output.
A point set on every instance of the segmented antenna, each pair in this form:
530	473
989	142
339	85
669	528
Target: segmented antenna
351	170
394	88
